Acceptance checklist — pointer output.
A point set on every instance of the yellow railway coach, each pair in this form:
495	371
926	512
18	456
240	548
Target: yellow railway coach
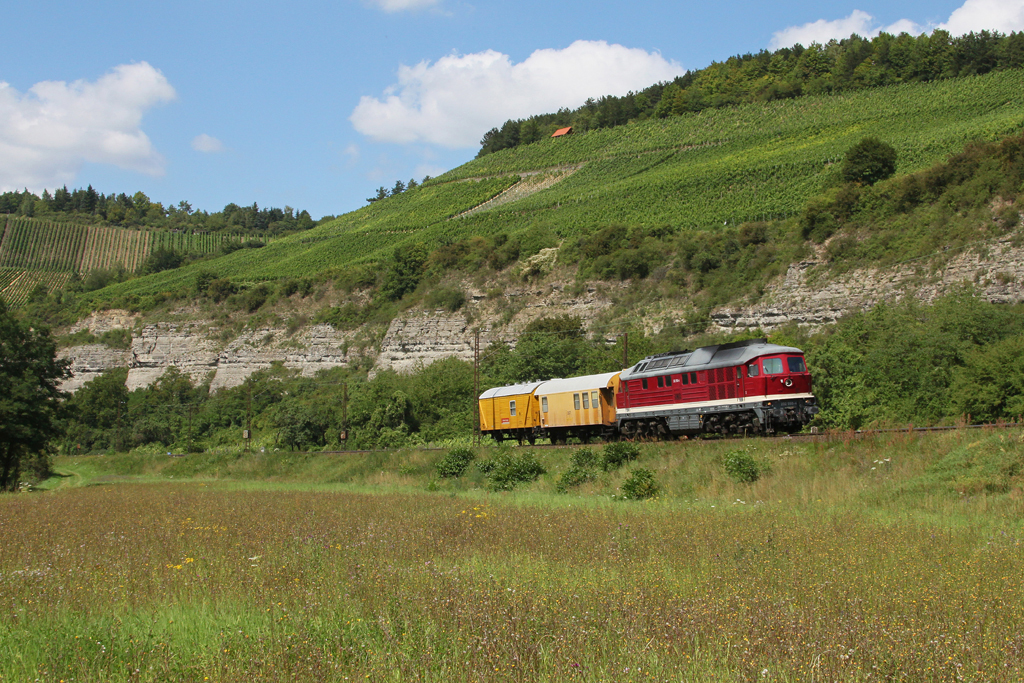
510	412
583	407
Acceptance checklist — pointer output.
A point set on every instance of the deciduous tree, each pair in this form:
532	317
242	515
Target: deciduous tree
30	399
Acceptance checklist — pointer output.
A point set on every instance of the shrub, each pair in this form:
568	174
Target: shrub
742	467
869	161
573	477
162	259
220	289
582	469
506	471
454	464
117	338
450	299
254	299
640	485
584	458
616	454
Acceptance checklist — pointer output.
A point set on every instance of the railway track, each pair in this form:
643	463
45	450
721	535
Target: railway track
828	435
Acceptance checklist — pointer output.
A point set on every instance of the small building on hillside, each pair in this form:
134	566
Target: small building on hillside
562	131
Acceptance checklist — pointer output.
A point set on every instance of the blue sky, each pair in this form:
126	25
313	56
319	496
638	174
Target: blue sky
315	104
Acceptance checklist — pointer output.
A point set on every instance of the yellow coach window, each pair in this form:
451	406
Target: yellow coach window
512	408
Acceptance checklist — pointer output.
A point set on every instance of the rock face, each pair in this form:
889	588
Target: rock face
196	349
997	276
199	349
421	340
89	361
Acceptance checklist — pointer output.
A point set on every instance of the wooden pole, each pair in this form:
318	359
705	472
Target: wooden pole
476	383
248	414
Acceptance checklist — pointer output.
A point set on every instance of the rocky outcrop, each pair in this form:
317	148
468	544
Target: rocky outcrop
421	340
197	349
996	273
89	361
99	322
319	347
805	296
164	345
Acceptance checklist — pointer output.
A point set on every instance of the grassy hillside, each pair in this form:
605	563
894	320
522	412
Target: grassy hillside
750	162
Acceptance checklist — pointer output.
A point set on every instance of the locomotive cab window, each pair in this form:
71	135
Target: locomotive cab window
796	364
512	408
544	403
586	401
753	370
772	366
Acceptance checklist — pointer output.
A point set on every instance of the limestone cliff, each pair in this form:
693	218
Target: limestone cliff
805	296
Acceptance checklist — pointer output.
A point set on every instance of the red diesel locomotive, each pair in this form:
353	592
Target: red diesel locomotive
750	387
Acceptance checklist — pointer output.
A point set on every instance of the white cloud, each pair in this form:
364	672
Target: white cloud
47	133
822	31
454	101
207	144
994	15
402	5
974	15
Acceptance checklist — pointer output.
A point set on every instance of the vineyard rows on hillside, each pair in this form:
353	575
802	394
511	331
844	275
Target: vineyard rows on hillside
16	285
34	251
703	171
368	234
921	120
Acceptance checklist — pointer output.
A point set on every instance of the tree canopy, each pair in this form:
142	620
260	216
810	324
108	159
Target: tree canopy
29	403
869	161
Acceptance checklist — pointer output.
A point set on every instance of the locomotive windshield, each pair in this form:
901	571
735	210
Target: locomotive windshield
796	364
772	366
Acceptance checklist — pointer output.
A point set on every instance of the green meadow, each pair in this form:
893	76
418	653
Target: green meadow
896	557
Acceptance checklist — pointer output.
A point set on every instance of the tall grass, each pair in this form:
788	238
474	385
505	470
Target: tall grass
824	569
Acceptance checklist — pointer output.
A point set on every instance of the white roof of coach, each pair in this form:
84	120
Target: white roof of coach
511	390
586	383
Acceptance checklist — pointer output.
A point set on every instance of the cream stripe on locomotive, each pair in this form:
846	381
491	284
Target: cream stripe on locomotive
745	402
